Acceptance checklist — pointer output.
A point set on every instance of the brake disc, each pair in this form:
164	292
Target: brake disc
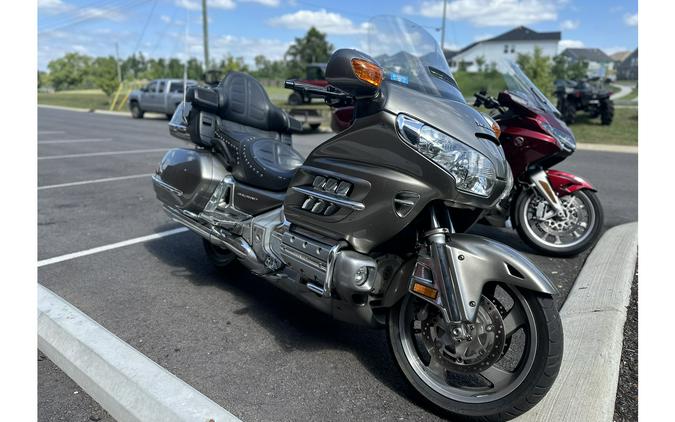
483	346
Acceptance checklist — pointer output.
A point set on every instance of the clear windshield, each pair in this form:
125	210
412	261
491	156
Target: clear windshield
410	56
518	83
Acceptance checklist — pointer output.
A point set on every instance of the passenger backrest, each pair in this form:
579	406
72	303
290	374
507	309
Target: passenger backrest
249	105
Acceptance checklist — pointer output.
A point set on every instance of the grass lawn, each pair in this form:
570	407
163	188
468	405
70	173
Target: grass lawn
84	98
622	131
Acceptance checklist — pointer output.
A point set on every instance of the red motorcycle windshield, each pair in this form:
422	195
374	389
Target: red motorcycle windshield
519	84
410	57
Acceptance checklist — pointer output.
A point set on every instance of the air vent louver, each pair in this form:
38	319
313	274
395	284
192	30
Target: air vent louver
404	202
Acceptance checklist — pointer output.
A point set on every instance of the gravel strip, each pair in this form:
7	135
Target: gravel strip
626	405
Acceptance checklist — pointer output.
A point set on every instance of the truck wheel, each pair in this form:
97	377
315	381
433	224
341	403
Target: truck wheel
295	99
136	111
606	112
315	126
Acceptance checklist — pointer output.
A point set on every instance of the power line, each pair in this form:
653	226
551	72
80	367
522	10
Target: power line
145	26
85	16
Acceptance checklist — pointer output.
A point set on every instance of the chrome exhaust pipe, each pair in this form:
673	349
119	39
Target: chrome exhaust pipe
221	239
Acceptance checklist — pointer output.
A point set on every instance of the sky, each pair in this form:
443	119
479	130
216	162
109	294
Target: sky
246	28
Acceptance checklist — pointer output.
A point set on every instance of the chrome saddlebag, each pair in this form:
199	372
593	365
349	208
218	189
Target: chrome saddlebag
187	178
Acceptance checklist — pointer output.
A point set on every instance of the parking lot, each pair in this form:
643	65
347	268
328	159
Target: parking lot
246	345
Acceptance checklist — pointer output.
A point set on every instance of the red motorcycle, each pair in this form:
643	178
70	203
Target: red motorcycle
555	212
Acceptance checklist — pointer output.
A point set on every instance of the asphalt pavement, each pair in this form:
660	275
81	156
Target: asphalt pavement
251	348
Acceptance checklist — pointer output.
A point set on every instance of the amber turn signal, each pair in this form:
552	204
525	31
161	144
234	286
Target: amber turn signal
367	71
426	291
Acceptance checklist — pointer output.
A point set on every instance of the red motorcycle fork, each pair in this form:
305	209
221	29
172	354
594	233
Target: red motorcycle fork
564	183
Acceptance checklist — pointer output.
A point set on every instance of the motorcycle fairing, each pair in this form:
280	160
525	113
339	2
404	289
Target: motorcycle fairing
564	183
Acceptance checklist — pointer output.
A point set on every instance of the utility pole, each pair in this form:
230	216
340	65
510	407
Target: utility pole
117	59
445	5
205	24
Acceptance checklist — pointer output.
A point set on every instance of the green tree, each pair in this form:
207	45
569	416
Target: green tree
537	67
269	69
480	62
43	79
312	48
564	68
195	69
104	74
174	69
231	63
69	71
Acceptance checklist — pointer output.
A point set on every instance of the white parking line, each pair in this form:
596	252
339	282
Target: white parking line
74	141
49	132
111	246
97	154
86	182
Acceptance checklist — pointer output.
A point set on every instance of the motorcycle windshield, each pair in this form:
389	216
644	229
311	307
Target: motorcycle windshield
410	57
518	83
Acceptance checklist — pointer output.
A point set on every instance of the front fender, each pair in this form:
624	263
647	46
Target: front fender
564	183
478	261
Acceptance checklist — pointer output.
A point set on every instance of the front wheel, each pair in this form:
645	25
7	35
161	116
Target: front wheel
136	111
606	112
502	369
569	234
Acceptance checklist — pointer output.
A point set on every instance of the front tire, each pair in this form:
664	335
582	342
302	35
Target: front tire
542	351
578	231
606	112
136	111
569	113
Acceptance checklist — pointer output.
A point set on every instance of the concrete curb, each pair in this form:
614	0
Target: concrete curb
627	149
593	318
130	386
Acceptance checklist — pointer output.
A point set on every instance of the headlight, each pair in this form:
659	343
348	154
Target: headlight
561	136
472	171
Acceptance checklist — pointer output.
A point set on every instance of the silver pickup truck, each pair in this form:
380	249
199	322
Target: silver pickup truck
159	96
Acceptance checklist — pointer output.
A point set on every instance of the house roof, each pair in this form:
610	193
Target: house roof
520	33
587	54
620	56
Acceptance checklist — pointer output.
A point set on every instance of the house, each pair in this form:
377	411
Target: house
520	40
628	68
619	56
599	63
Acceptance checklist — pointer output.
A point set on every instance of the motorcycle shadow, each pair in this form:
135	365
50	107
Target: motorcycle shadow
292	324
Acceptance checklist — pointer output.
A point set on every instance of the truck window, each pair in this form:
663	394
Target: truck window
162	85
176	87
315	73
152	86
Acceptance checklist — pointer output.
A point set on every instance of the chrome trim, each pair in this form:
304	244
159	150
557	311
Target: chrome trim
179	131
158	180
330	266
337	200
219	238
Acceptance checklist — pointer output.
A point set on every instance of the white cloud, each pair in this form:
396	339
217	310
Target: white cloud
569	24
197	5
630	20
53	5
482	37
329	22
248	48
490	12
570	44
268	3
165	19
95	12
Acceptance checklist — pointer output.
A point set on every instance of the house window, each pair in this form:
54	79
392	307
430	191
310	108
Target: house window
506	49
513	49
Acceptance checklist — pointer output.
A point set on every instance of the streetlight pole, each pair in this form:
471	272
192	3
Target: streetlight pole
205	24
445	5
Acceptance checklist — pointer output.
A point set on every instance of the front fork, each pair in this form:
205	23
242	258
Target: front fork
446	290
543	186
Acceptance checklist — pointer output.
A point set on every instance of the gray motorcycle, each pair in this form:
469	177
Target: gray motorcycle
370	227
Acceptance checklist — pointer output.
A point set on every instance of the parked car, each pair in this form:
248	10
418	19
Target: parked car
158	96
589	95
